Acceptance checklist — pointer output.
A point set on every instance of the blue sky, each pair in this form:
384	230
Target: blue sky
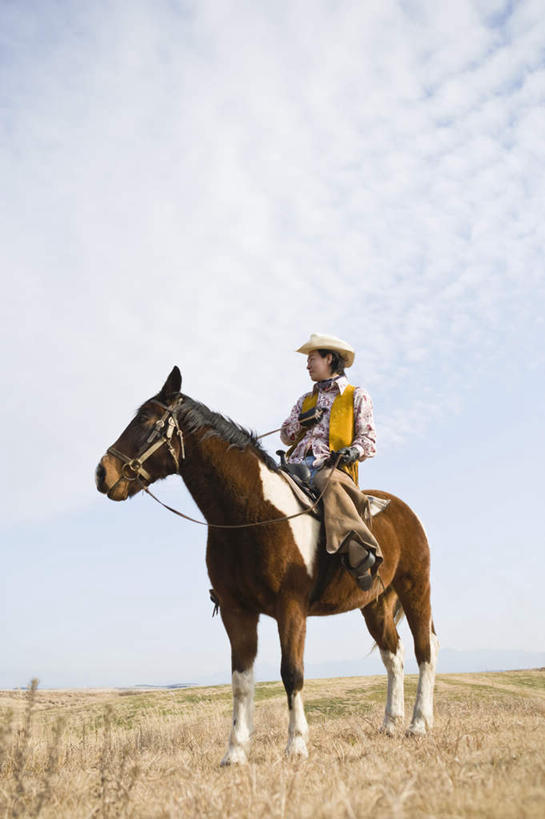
207	184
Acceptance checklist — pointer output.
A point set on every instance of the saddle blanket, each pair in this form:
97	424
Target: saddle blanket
376	505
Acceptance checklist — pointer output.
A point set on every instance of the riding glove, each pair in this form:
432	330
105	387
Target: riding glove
349	455
310	417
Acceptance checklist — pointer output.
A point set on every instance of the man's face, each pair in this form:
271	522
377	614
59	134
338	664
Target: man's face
319	368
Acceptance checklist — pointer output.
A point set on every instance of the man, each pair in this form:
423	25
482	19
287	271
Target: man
336	418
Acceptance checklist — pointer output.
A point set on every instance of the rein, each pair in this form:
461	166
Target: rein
247	525
133	470
272	431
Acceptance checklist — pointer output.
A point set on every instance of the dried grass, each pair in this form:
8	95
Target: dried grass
156	753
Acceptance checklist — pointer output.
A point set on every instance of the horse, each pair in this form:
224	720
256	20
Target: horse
260	562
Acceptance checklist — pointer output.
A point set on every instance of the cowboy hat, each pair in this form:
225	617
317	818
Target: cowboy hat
318	341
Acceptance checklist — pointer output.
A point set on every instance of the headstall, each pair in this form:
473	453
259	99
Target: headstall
164	430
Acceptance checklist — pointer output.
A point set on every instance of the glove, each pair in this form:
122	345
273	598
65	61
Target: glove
349	455
310	417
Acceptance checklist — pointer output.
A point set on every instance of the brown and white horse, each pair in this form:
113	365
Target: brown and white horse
280	569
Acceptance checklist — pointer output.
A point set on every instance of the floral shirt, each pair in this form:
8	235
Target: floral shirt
316	439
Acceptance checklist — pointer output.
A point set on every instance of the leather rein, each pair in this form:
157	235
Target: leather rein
133	470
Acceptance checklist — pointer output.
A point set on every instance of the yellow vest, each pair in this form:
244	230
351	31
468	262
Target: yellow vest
341	424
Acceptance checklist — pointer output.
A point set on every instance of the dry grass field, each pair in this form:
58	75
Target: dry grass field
109	753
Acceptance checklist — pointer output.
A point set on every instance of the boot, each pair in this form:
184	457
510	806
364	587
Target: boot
359	561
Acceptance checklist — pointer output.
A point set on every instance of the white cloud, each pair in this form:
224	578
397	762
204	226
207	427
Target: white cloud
207	184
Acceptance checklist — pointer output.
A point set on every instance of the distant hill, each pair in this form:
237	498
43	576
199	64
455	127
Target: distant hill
450	661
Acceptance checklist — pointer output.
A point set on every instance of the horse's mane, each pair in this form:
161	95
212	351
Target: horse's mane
196	415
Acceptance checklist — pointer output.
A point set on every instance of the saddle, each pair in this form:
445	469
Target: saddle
300	475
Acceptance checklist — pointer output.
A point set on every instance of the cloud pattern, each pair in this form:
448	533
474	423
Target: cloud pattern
208	183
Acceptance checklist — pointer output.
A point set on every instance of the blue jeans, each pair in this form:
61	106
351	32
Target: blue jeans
309	460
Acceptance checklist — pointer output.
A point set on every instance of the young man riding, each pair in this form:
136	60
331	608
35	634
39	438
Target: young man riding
336	418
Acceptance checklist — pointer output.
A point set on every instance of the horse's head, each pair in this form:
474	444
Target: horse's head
150	448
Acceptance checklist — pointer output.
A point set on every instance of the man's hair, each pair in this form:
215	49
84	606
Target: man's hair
337	361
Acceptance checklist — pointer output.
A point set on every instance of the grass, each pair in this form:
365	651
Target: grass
155	753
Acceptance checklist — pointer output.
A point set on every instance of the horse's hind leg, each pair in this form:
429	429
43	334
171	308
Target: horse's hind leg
415	598
292	631
241	626
380	620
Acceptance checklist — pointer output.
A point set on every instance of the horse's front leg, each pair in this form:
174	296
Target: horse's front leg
241	626
292	630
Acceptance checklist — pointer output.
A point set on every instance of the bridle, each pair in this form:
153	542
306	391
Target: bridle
164	430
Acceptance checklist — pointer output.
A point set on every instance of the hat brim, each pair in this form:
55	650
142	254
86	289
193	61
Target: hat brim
348	355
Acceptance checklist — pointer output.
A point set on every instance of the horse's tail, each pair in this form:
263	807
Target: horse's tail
399	614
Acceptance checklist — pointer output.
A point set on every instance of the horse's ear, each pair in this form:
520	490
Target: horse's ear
172	385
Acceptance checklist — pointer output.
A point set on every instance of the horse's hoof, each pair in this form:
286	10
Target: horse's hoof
417	729
388	728
234	756
296	748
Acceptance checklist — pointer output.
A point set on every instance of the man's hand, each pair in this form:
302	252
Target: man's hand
310	417
349	455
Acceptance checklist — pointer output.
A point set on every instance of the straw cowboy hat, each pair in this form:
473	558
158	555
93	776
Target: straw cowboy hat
318	341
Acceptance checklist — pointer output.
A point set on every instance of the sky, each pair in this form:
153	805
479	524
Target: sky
206	184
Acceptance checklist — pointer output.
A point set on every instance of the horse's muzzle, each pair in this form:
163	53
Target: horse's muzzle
112	482
100	478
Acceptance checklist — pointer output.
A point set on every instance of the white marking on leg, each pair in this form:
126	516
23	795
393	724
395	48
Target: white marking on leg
395	705
243	706
298	728
305	528
422	720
